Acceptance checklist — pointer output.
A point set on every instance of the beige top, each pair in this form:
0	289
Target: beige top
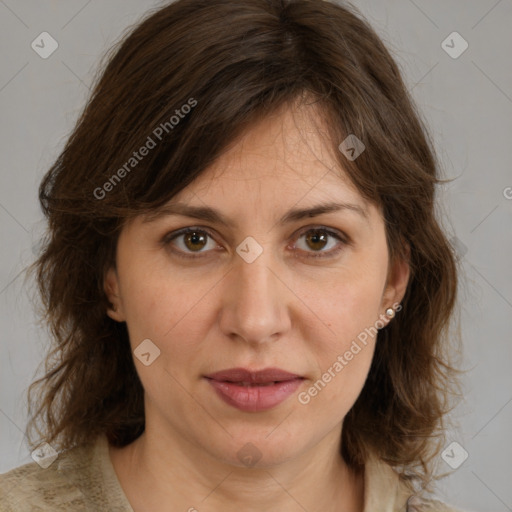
83	479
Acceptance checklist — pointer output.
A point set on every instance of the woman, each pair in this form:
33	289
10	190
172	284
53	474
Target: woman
244	277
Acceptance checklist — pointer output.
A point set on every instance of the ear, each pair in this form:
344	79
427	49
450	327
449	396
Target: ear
111	288
396	286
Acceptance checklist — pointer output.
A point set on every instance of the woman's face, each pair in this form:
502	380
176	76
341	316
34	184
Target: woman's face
268	288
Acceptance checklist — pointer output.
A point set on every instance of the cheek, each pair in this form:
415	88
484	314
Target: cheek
342	354
344	334
346	302
163	307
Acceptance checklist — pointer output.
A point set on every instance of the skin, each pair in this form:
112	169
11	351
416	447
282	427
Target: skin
285	309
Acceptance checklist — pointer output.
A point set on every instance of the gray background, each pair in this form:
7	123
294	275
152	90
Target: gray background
467	103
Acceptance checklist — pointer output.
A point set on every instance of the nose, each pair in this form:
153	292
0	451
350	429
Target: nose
255	303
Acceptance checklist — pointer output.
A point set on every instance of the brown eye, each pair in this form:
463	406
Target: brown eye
188	241
317	239
194	240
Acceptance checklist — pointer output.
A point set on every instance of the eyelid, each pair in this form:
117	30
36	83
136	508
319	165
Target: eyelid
343	238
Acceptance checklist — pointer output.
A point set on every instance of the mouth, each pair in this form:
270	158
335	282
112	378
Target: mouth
254	391
242	376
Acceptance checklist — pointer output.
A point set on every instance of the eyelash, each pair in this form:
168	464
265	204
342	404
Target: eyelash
170	237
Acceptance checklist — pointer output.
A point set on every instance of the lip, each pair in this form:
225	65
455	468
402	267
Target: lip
251	391
263	376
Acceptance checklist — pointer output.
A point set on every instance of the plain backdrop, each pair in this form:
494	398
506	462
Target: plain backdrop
467	104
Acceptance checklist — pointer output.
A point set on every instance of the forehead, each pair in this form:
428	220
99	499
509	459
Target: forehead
280	168
288	151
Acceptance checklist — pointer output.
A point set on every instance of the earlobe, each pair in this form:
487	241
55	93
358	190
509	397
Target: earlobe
111	288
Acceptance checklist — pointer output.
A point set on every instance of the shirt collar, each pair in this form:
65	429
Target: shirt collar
383	490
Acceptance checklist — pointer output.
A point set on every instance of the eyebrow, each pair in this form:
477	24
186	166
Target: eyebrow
207	213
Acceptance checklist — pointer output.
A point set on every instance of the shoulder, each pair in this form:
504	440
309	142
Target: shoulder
75	481
31	487
385	491
416	504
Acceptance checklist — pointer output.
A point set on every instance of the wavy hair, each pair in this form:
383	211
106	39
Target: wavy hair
192	76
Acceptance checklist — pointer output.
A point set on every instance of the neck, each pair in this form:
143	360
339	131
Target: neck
157	470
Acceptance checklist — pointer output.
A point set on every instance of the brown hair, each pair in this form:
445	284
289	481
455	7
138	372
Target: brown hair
232	62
